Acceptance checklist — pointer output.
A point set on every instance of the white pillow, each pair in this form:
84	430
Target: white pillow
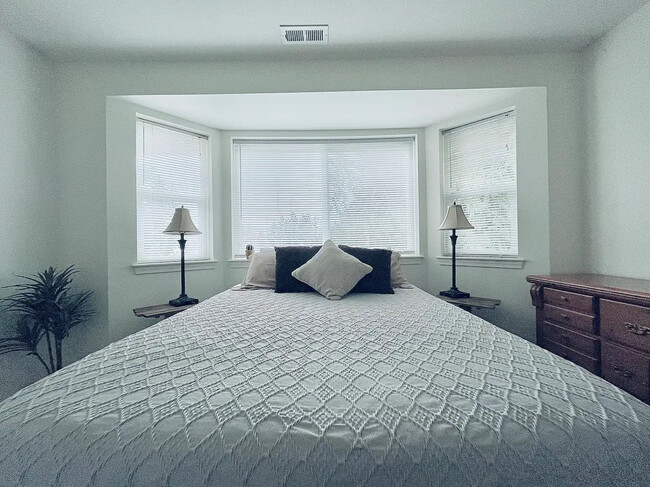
332	272
261	272
397	279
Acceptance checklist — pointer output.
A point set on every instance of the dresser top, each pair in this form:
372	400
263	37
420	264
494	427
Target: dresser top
597	284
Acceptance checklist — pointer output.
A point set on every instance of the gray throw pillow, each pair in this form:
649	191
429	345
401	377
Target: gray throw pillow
397	279
261	272
332	272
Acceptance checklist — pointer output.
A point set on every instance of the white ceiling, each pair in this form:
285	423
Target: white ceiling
327	110
223	29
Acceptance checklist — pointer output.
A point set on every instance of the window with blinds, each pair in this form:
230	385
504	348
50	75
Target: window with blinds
359	192
172	169
480	173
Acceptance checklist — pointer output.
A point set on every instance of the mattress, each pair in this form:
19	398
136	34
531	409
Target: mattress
264	389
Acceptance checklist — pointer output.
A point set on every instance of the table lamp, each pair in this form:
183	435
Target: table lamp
454	220
182	224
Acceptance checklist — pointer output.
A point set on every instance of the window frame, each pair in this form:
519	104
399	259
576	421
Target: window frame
505	261
172	265
415	255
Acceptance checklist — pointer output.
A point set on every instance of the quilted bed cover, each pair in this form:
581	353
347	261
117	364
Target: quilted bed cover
264	389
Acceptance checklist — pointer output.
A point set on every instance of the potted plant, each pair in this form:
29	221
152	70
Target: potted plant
45	308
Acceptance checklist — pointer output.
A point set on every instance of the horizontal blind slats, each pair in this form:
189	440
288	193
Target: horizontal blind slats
354	191
480	173
172	169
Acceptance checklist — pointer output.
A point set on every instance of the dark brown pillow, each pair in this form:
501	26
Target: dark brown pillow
378	281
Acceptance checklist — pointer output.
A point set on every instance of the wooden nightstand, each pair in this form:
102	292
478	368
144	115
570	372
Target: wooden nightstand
159	311
472	302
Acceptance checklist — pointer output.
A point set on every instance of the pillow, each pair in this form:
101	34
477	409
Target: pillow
287	260
397	279
378	281
261	272
332	272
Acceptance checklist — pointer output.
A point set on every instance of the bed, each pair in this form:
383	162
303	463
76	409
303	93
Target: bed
264	389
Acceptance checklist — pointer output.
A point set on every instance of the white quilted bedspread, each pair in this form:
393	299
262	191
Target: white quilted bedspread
264	389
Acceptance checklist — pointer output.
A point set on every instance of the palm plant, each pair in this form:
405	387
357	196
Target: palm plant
44	307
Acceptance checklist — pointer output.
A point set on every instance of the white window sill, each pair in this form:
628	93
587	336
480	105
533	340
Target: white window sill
411	259
238	262
404	260
495	262
159	267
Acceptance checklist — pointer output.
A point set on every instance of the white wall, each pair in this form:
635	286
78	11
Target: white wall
515	313
617	118
27	182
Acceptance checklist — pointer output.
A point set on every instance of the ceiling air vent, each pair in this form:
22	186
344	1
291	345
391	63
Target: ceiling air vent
304	34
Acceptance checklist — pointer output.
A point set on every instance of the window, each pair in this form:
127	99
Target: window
480	173
172	169
302	192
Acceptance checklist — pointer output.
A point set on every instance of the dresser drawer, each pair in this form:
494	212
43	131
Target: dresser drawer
591	364
627	369
581	343
570	319
572	301
624	323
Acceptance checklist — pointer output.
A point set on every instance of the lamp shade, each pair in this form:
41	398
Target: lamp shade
182	223
455	219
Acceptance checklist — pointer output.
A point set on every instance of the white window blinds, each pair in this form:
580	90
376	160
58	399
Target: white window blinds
480	173
301	192
172	169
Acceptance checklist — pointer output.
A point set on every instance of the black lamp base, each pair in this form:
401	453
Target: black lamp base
183	300
454	293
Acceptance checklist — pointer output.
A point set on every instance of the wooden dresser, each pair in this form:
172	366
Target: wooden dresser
601	323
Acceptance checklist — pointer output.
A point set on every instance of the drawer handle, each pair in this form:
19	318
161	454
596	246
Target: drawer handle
564	298
637	329
566	337
565	317
626	373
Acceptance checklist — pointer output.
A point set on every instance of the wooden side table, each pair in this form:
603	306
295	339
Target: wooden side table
472	302
159	311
